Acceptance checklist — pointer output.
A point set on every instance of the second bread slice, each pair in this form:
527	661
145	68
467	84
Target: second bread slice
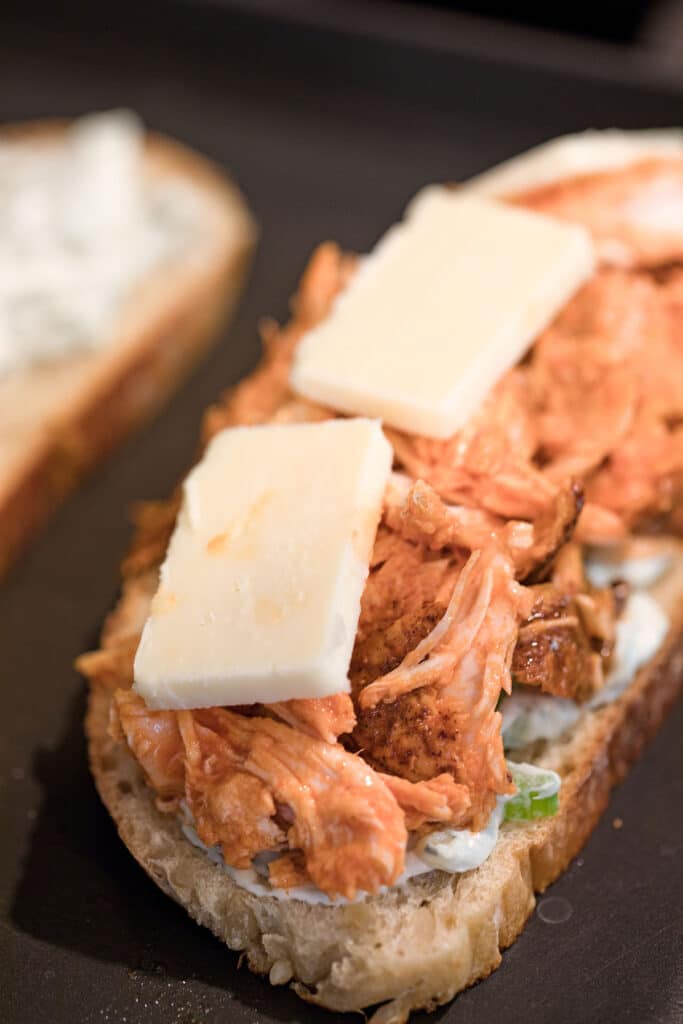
58	419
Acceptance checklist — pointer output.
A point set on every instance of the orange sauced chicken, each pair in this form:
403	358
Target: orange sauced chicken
344	818
635	215
475	580
464	663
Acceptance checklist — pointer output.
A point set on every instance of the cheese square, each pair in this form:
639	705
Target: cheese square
449	300
259	595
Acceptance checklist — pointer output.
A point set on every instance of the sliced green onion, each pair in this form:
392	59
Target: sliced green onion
537	793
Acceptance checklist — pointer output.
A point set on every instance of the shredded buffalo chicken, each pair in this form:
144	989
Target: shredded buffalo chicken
476	576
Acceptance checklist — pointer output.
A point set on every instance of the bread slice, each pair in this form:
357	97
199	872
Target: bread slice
58	420
418	945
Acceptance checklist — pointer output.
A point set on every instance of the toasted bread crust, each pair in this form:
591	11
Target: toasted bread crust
417	946
159	355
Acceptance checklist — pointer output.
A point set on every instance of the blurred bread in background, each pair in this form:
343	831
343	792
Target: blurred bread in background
121	256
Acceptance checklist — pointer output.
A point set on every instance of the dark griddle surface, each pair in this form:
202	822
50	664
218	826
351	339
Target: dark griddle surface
329	134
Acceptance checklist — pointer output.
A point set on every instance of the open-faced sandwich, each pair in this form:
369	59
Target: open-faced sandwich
121	256
378	663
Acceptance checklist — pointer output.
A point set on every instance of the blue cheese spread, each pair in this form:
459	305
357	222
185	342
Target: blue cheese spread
452	850
81	226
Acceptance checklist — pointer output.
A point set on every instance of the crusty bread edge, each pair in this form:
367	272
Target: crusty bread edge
417	946
166	350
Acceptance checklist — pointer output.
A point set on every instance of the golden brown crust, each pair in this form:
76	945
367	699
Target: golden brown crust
160	355
413	947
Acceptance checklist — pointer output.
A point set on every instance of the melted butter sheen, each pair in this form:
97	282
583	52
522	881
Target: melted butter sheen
79	229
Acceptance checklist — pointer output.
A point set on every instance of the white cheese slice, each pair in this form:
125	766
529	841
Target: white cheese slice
449	300
259	595
589	152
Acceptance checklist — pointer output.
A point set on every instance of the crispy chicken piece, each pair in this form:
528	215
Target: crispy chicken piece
488	464
345	820
377	651
231	807
154	739
553	650
643	478
325	718
434	659
415	737
441	799
569	573
403	579
605	380
569	635
635	214
416	512
582	375
552	530
252	784
482	673
435	710
288	871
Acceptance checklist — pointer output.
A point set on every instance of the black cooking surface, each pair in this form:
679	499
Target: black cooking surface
329	134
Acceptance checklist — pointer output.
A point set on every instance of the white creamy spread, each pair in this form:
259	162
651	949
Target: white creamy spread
458	850
80	227
528	717
451	850
641	630
255	878
604	567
